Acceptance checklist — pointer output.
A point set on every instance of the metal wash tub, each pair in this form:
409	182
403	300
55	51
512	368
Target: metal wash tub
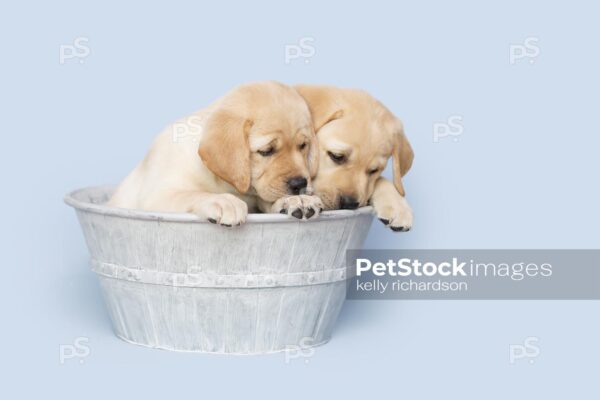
173	282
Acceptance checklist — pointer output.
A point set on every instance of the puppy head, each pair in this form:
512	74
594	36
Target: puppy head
357	134
259	138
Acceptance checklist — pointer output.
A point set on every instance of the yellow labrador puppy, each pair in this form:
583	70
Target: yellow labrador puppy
357	134
254	149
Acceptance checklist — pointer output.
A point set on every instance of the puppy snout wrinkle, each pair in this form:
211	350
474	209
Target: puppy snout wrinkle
296	184
348	203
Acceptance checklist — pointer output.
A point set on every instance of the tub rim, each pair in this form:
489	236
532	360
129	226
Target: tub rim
72	200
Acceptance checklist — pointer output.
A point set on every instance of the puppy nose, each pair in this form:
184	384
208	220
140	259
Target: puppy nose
296	184
348	203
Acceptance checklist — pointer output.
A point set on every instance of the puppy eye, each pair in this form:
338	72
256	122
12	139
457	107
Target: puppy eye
302	146
337	158
266	153
373	171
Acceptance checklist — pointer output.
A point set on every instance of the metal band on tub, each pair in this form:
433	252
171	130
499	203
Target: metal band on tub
195	277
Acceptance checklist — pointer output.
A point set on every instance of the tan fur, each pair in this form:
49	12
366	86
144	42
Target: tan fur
351	122
214	169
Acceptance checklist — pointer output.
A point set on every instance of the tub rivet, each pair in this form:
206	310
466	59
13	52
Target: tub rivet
194	269
269	281
311	278
219	281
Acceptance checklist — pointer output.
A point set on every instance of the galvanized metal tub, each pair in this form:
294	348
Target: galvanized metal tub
173	282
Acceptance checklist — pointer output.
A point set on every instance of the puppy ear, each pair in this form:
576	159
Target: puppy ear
225	150
321	103
402	155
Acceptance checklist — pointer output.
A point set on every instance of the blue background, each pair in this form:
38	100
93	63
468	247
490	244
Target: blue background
523	174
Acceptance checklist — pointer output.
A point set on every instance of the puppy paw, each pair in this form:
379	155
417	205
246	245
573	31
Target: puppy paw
301	206
396	216
224	209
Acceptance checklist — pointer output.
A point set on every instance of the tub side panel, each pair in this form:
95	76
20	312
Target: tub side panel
337	296
291	316
268	305
129	310
314	312
240	328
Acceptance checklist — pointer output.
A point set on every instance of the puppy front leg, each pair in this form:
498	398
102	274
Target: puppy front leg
391	208
301	206
218	208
